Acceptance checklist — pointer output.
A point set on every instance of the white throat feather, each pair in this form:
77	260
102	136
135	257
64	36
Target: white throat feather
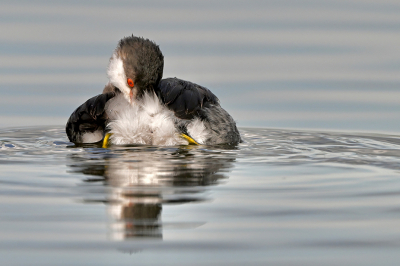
116	75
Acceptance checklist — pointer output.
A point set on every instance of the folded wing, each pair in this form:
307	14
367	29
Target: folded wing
185	98
88	120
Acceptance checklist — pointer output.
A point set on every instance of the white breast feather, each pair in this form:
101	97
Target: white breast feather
145	122
197	131
92	137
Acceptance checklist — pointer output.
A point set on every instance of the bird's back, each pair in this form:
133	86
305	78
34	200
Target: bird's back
197	107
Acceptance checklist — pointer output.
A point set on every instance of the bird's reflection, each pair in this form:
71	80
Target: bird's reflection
138	181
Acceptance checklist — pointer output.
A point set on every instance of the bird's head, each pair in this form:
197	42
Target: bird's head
135	67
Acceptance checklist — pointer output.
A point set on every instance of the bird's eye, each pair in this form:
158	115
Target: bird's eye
130	83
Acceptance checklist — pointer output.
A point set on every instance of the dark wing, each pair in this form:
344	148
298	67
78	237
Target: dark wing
185	98
89	117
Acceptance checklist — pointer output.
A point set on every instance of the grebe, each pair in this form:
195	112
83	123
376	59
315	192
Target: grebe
138	107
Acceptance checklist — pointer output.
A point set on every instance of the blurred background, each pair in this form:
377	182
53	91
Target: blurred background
332	65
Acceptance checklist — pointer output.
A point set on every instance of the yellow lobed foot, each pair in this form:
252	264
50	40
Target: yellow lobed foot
191	141
106	141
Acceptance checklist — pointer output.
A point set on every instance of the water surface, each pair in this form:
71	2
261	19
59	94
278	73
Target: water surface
282	197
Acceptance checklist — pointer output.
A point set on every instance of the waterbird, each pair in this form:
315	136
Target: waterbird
137	106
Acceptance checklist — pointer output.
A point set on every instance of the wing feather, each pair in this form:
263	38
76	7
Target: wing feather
89	117
185	98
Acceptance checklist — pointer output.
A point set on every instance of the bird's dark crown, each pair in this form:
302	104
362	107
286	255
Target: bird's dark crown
143	62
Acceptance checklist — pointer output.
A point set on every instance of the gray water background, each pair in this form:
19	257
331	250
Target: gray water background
278	64
307	195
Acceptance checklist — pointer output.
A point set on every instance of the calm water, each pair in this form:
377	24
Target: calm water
309	64
280	198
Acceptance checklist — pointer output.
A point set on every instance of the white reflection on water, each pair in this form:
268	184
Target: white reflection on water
140	180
